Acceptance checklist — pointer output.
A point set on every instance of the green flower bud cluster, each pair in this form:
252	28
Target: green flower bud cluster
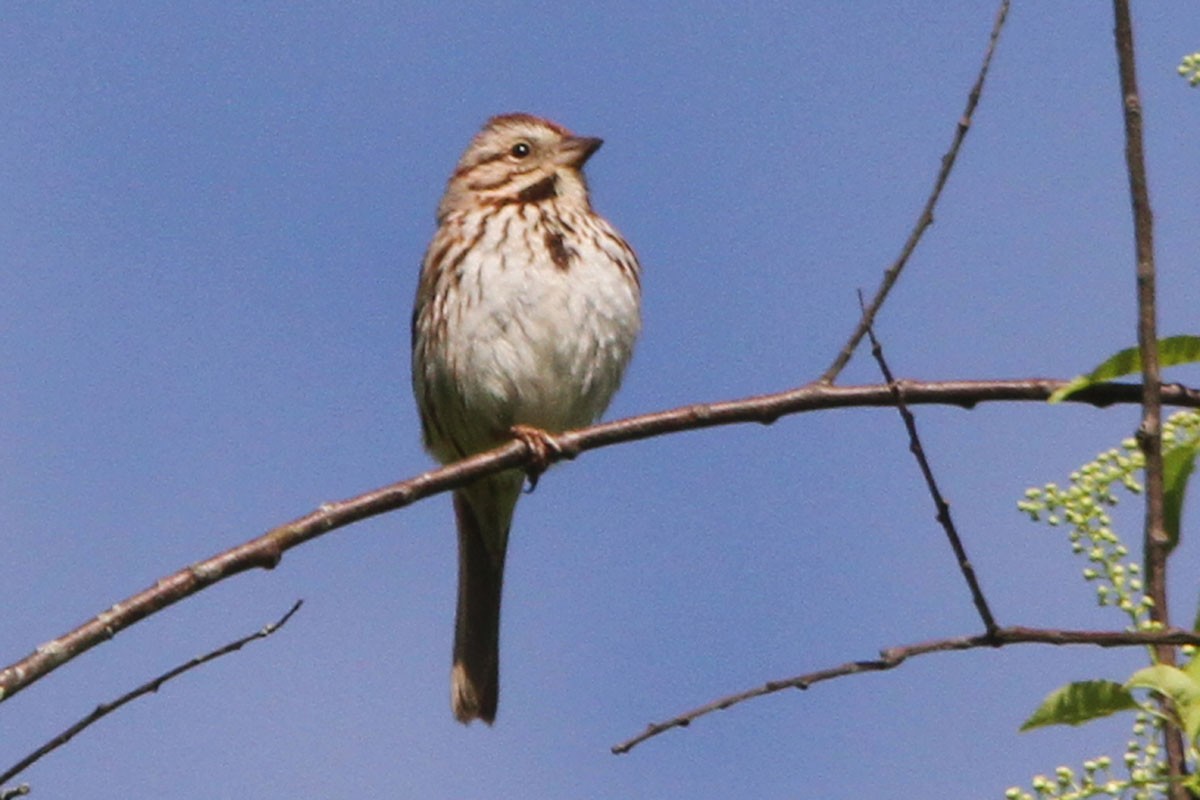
1084	508
1144	759
1190	69
1096	780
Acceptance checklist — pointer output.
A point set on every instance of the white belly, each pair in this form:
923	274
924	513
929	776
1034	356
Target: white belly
527	340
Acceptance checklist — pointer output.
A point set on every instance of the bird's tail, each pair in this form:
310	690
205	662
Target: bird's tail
483	512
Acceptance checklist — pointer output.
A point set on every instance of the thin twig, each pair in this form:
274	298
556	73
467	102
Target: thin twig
1149	436
892	657
14	791
153	685
266	551
926	218
943	508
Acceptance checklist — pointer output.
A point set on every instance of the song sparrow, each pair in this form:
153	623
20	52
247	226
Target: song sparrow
526	314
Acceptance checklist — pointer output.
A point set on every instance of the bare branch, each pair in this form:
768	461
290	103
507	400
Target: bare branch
892	657
939	502
1149	435
926	218
153	685
266	550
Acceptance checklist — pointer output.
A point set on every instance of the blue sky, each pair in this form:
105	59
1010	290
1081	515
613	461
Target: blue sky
210	229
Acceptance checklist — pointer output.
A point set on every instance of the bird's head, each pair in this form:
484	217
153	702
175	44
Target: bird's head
519	158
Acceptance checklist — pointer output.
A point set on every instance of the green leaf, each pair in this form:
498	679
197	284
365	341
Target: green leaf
1176	684
1080	702
1171	351
1178	463
1171	681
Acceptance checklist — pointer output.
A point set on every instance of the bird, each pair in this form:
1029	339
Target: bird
527	309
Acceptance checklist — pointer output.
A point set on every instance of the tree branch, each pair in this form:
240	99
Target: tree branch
926	218
939	502
892	657
266	550
1149	436
153	685
1150	432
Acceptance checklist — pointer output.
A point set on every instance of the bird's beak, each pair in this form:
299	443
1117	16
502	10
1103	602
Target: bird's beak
573	151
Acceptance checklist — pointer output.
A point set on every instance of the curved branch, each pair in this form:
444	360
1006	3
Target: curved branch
266	550
893	657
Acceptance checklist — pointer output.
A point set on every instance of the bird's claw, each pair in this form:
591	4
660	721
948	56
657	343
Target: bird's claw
541	444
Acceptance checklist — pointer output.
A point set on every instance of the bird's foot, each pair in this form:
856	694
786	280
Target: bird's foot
541	444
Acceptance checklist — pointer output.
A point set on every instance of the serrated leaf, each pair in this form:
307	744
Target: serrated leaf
1178	463
1171	351
1080	702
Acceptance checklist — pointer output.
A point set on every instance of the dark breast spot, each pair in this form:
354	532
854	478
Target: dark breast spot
560	254
545	189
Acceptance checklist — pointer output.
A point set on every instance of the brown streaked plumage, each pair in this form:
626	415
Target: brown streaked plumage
527	309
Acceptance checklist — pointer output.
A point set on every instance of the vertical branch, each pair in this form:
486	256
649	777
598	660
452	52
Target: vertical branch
1150	432
1149	435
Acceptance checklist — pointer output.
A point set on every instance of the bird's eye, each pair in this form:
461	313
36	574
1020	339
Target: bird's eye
520	150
